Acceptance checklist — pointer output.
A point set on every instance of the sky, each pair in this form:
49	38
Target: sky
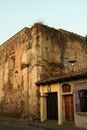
70	15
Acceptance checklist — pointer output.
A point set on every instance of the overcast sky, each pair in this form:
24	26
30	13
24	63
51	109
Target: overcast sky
70	15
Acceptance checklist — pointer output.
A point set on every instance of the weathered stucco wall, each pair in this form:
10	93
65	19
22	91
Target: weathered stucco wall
80	117
11	53
81	120
19	94
60	51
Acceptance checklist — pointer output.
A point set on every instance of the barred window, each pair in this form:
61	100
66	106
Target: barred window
82	95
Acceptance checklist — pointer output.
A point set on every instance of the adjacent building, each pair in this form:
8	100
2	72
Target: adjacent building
64	98
36	54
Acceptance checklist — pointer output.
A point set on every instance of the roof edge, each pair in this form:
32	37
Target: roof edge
63	78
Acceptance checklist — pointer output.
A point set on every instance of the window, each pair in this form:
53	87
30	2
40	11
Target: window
82	94
66	88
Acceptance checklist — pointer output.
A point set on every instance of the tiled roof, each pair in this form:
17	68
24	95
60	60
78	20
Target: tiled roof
63	77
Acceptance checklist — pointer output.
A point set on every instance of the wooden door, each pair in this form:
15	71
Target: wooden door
69	108
52	107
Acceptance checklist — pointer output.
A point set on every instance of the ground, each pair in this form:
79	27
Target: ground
14	124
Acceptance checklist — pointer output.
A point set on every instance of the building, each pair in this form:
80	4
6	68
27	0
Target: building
64	98
35	54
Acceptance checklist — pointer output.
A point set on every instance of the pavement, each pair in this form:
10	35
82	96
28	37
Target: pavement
15	124
52	125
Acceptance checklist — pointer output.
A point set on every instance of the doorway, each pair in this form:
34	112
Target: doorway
52	106
69	108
